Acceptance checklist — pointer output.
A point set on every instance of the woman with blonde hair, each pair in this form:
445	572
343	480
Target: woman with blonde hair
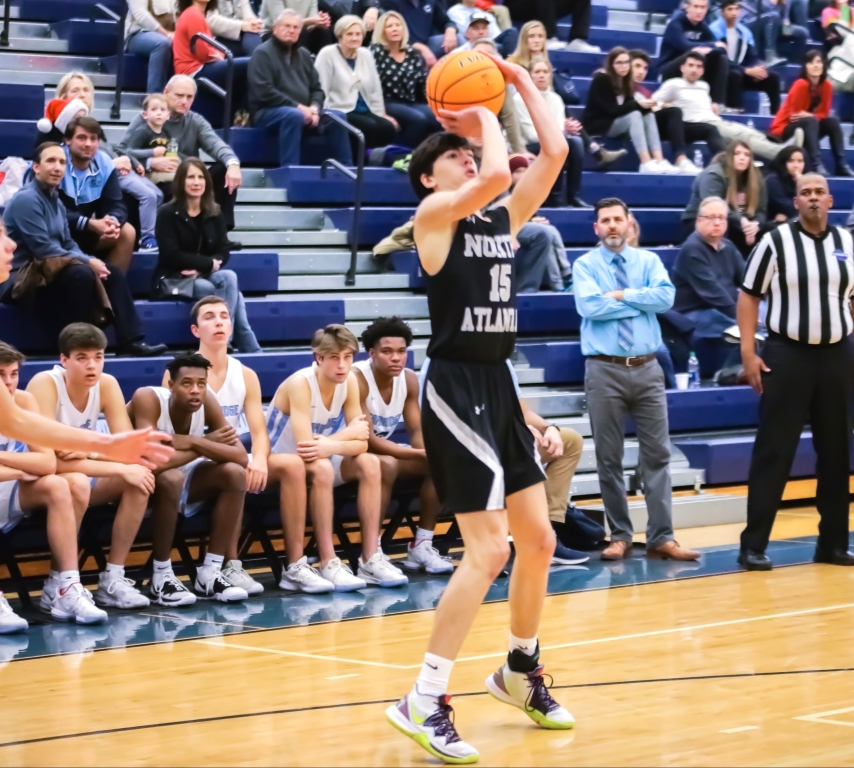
403	76
349	78
733	177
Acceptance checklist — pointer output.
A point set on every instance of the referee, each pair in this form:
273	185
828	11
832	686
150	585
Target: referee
806	373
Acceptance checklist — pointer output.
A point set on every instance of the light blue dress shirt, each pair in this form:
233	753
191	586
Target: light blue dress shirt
650	291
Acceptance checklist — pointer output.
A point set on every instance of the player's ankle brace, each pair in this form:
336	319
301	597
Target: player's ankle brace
519	661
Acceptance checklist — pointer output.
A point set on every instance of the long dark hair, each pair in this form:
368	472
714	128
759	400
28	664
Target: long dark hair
179	187
623	86
811	56
750	181
184	4
782	160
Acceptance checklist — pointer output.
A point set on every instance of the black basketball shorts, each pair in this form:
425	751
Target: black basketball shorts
478	446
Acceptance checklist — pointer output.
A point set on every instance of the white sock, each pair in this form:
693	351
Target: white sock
422	535
162	566
528	645
380	544
214	560
52	575
115	571
67	578
434	677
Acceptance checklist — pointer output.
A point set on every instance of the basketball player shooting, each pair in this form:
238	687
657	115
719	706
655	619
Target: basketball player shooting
480	452
143	446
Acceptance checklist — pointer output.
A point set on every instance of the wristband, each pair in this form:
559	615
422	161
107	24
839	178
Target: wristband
552	426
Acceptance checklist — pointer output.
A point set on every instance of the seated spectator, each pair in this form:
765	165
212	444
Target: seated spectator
614	110
149	31
474	24
403	76
782	25
28	483
691	95
155	112
90	192
733	177
192	135
432	32
549	11
687	32
746	70
541	74
671	127
51	276
840	70
782	184
209	465
316	29
541	261
235	25
501	12
199	59
708	272
79	88
807	107
838	12
77	393
193	243
284	91
349	78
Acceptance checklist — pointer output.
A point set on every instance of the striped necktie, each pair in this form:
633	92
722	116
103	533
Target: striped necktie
625	332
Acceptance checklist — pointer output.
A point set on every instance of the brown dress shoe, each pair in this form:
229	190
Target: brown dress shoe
671	550
617	550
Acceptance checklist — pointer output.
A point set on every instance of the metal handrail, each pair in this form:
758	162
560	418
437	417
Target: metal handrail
224	94
7	15
116	109
359	177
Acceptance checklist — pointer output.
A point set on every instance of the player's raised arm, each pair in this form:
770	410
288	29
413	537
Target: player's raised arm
534	186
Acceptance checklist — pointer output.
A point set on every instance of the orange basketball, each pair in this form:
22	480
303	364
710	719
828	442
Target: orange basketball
465	79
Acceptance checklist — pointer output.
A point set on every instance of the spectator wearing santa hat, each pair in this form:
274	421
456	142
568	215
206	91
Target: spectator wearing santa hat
57	115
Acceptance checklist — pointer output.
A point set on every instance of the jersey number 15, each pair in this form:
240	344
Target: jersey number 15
500	283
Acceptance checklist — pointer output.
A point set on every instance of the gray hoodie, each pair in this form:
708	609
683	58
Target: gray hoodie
192	132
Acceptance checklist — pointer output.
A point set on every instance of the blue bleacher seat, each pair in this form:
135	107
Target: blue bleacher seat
18	137
59	10
135	72
610	38
561	361
712	408
98	38
21	102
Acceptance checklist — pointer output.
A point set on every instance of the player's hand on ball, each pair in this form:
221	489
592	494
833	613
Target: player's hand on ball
512	73
466	123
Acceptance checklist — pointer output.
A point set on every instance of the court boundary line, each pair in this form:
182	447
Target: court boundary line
255	630
376	702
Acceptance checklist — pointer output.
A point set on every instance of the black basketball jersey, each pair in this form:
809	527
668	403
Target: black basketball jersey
472	299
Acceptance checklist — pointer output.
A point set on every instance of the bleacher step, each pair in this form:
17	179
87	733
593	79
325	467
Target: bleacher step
420	328
326	262
553	402
369	307
37	44
29	62
267	195
47	77
102	115
385	281
691	511
105	99
280	217
265	239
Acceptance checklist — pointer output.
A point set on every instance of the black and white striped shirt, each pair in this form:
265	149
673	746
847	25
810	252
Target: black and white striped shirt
809	281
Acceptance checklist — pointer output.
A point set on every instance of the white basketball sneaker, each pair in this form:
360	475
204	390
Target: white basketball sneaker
9	620
236	575
380	572
119	592
425	557
301	577
340	575
75	603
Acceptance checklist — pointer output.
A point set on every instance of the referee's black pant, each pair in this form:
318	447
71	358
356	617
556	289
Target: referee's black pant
807	383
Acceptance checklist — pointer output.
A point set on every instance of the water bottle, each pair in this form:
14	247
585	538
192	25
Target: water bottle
698	158
172	148
693	372
750	124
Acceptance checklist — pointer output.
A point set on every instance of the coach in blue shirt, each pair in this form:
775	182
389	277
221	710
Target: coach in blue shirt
618	291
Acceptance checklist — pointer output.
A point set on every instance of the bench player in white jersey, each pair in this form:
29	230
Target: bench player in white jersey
76	393
480	451
206	467
27	483
238	391
143	447
389	395
318	432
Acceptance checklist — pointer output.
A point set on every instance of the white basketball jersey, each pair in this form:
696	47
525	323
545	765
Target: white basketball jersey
164	423
385	416
323	422
232	398
7	444
66	413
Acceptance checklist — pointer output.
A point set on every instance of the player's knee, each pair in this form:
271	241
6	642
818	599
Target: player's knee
286	466
233	476
321	472
388	469
496	555
369	468
79	487
169	484
56	491
538	541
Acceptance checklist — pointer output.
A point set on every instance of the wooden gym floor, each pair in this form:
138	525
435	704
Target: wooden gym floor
660	666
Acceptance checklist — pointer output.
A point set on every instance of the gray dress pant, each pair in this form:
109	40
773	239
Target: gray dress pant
613	392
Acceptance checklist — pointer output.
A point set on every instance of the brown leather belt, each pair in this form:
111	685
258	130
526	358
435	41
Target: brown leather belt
628	362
